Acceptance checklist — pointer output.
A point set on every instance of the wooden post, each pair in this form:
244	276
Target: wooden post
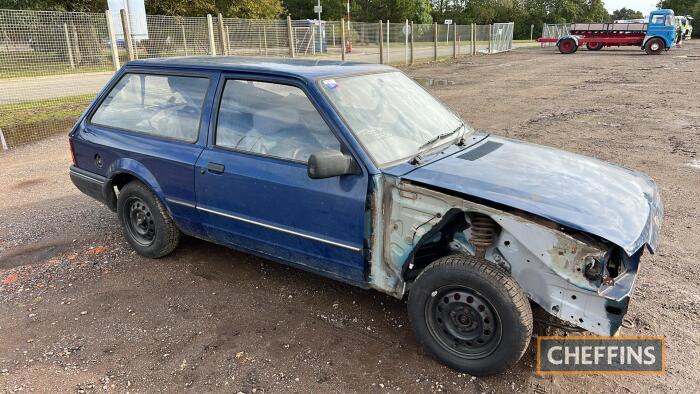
290	34
454	42
412	32
265	37
127	34
210	32
68	45
381	42
112	40
387	42
435	40
473	40
184	40
342	39
405	47
222	34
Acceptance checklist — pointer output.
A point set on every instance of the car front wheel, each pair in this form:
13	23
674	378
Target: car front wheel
470	315
148	227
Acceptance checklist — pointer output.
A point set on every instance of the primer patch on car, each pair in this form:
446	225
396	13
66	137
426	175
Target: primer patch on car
330	83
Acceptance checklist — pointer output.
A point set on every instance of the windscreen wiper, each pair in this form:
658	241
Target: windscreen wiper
417	158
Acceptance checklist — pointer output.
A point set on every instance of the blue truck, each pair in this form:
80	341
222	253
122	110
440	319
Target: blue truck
654	37
355	172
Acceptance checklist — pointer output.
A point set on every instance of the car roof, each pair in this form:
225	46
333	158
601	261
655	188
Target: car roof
304	68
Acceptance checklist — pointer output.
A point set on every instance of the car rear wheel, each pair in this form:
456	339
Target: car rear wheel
654	46
567	46
148	227
470	315
594	46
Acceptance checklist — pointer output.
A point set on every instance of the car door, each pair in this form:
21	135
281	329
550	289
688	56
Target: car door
253	189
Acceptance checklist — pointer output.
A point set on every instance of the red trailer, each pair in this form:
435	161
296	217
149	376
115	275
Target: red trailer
653	37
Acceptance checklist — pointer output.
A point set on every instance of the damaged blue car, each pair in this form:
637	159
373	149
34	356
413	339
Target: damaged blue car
355	172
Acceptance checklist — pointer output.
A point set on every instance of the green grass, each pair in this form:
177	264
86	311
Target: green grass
33	120
33	64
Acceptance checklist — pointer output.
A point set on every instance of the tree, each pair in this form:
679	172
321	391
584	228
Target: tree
252	9
626	13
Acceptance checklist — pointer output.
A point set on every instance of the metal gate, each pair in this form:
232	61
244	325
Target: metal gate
501	37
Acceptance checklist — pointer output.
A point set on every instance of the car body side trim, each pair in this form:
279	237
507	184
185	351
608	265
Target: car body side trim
86	177
280	229
180	202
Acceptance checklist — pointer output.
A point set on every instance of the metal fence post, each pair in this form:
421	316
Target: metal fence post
490	37
68	45
127	34
412	32
2	141
290	34
454	42
222	34
405	47
435	40
342	39
112	40
473	40
381	42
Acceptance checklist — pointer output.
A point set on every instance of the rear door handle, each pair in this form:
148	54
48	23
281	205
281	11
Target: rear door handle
215	168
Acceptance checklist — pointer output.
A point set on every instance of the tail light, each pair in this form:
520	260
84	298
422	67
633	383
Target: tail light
72	150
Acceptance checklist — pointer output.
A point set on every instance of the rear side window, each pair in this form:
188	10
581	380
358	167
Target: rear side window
160	105
271	119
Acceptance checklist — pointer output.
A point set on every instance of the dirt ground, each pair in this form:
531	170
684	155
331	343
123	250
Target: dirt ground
79	311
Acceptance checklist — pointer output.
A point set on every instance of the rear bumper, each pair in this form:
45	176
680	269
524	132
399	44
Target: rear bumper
94	185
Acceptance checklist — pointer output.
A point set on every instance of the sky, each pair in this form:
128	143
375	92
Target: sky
640	5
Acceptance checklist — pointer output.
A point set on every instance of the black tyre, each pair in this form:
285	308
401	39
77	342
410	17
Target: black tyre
594	46
654	46
470	315
567	46
148	227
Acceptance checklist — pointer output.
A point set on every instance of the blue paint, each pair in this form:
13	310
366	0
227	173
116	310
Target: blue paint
657	27
582	193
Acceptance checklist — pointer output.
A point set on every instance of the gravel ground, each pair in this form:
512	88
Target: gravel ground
81	312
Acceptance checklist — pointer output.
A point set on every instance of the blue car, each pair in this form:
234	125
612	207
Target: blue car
355	172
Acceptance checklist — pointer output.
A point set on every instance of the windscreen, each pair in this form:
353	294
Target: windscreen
390	114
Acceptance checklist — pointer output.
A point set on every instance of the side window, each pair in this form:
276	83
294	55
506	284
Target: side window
160	105
271	119
658	19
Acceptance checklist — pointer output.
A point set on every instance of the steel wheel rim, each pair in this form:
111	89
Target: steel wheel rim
567	46
654	46
139	221
463	322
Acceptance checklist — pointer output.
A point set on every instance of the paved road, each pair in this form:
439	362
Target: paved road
54	86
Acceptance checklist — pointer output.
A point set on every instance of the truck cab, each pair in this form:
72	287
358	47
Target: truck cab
661	31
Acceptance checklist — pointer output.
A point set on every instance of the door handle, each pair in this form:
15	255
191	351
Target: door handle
215	168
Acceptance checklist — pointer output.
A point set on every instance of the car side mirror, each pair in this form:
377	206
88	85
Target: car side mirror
331	163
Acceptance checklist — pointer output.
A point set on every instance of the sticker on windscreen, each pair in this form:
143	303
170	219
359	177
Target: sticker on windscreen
330	83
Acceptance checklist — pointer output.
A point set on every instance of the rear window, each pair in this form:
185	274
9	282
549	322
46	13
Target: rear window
161	105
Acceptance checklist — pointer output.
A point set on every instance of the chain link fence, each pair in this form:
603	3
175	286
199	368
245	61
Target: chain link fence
53	63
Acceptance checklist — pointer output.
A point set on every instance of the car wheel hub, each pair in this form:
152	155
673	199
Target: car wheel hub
463	322
140	223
